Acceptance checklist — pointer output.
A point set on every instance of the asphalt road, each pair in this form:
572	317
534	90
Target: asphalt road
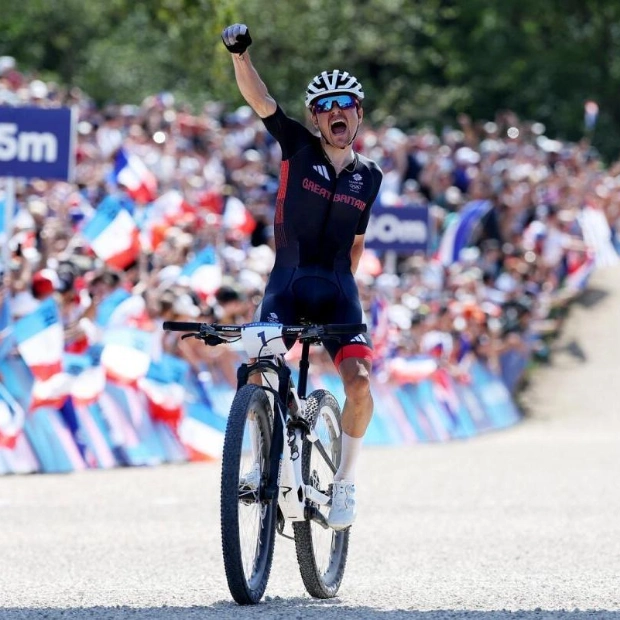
523	523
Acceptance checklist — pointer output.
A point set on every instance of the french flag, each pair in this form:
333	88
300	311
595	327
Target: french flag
40	342
203	274
411	370
459	231
126	354
164	212
12	418
164	391
113	234
109	304
131	173
579	271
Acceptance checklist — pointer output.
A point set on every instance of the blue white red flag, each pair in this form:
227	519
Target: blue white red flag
404	370
40	342
12	418
164	391
166	211
109	304
126	354
204	273
460	230
131	173
113	234
579	272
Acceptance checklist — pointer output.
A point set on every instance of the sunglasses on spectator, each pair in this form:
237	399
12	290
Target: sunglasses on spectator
325	104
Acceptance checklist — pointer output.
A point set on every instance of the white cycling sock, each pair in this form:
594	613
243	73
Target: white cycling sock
351	448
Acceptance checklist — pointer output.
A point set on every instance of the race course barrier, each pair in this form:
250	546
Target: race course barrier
169	414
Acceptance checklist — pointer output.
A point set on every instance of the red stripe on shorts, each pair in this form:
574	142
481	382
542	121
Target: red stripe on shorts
360	351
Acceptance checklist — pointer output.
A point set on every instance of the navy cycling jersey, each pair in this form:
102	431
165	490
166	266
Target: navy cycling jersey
318	213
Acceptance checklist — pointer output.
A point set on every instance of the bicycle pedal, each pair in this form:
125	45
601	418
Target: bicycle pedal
280	523
312	513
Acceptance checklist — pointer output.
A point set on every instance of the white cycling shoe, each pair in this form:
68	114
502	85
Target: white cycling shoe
342	512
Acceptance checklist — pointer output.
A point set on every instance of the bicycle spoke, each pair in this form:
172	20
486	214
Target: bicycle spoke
326	457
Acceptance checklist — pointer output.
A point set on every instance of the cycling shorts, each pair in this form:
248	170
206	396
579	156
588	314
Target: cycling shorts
317	295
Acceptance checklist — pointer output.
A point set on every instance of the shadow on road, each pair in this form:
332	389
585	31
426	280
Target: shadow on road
295	608
573	350
591	297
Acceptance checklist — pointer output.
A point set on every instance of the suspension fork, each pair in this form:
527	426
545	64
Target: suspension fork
280	415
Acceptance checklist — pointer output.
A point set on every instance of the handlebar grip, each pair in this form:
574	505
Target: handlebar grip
181	326
360	328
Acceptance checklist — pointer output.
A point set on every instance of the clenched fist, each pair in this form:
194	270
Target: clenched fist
236	38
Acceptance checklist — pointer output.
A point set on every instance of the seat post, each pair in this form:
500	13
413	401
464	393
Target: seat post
304	365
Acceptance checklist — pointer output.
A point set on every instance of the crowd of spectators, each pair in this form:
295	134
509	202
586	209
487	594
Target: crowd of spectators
508	290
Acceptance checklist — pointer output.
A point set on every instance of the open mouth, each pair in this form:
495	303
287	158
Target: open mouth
338	127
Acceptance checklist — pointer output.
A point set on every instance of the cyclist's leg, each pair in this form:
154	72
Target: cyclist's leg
353	361
352	356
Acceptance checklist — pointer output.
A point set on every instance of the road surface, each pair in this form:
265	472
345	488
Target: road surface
523	523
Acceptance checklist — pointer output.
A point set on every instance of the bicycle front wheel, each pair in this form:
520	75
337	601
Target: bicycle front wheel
248	524
321	552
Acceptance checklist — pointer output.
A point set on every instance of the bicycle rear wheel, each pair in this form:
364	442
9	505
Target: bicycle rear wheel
248	525
321	553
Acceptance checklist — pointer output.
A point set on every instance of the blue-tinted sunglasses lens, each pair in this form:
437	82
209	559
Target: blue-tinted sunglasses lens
325	104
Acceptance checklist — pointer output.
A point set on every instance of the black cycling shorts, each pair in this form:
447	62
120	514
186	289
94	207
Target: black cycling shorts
321	296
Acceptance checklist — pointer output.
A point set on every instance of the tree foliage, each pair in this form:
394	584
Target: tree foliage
421	61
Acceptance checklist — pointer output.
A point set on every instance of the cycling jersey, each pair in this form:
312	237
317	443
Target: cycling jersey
318	214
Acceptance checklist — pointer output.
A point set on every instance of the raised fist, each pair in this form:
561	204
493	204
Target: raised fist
236	38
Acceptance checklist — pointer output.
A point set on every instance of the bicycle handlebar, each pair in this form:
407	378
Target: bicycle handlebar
299	331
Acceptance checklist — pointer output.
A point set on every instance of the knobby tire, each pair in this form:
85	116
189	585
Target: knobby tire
321	579
246	589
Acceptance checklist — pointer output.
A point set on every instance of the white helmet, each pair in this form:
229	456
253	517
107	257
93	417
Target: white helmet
333	82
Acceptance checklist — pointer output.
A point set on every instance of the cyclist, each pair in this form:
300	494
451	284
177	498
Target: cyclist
323	205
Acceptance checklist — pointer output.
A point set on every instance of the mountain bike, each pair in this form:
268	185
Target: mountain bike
281	451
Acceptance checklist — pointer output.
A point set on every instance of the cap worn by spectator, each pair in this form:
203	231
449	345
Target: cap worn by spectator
44	283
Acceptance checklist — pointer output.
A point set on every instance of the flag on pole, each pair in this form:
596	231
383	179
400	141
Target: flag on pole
40	342
164	391
12	418
166	211
203	274
113	234
460	230
131	173
126	354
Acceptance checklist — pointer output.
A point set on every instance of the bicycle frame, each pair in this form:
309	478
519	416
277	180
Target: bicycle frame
285	481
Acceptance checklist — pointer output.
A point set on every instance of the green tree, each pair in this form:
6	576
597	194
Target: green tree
421	61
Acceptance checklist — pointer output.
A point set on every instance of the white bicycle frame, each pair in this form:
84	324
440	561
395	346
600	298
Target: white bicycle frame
264	341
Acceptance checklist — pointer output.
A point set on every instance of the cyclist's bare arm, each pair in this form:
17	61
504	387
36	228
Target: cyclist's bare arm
252	86
356	252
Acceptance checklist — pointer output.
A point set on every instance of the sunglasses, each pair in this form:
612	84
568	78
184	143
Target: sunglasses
325	104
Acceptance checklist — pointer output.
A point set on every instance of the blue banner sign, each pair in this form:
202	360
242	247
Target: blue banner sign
403	229
37	142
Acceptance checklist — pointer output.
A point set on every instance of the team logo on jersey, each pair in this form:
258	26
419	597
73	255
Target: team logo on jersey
322	170
273	318
355	183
